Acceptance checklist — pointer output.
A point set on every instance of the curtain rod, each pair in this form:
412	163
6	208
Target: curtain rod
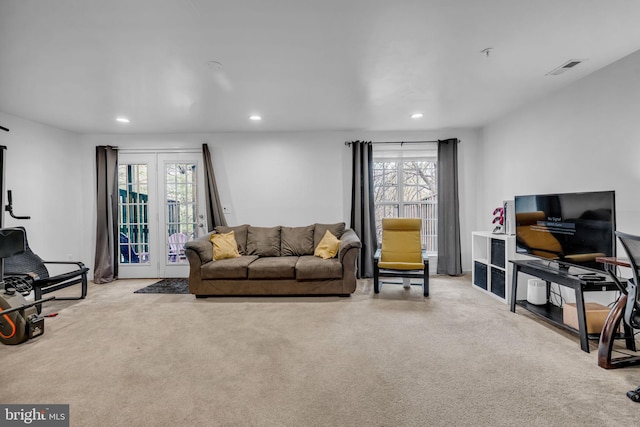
157	150
348	143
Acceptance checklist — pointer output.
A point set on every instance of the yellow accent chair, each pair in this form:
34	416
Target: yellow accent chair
401	254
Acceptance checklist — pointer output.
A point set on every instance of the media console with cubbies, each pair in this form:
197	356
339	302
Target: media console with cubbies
491	268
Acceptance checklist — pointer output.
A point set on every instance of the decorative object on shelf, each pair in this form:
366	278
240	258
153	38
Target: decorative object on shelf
498	220
508	212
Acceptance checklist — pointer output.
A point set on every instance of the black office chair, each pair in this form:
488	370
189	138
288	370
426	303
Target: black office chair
29	264
631	245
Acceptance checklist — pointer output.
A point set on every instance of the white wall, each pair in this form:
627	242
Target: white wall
582	138
266	178
43	170
297	178
585	137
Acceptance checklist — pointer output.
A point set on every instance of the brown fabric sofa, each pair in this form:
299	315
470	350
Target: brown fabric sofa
274	261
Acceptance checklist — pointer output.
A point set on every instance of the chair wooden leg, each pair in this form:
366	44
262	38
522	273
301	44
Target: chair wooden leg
609	332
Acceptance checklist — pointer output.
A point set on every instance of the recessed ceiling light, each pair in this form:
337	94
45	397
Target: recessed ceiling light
122	120
416	115
255	118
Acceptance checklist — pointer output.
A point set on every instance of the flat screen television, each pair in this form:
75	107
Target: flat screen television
567	229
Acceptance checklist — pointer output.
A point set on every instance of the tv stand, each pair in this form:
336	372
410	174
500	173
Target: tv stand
556	267
553	313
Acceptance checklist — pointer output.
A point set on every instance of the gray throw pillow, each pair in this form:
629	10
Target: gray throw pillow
239	232
297	241
263	241
336	229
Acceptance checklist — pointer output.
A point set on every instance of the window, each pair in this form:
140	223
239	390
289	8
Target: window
405	185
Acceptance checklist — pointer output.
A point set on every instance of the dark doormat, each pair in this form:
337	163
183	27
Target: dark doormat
166	286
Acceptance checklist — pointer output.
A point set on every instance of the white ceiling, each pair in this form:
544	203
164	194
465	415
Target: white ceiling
301	64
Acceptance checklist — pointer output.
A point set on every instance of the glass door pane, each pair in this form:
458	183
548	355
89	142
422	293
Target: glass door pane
133	196
182	216
181	208
137	216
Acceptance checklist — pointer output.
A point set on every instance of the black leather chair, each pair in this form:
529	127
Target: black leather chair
631	245
29	264
631	316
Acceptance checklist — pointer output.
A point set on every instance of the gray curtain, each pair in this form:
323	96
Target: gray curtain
449	257
215	215
105	268
363	219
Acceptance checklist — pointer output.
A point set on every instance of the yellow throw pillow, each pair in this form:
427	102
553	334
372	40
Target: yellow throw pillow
224	246
328	246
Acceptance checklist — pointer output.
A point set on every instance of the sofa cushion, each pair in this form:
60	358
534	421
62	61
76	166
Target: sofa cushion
328	246
282	267
296	241
203	247
240	233
320	229
263	241
224	246
310	267
230	268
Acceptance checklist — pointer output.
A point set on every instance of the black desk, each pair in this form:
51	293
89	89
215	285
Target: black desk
550	312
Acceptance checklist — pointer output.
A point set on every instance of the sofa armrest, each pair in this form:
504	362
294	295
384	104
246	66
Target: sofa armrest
348	240
202	246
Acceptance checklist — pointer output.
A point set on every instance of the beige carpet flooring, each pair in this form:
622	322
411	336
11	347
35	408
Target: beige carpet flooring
458	358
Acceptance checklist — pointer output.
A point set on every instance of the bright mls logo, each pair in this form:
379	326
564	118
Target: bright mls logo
35	415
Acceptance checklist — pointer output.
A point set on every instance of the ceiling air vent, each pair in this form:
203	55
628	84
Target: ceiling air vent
564	67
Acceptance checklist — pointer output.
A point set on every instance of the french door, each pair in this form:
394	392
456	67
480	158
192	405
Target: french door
161	207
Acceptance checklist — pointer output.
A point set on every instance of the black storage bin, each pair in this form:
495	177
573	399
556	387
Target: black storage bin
497	281
497	253
480	274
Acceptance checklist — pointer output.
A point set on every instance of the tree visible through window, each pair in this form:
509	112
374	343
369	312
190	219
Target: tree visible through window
407	188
